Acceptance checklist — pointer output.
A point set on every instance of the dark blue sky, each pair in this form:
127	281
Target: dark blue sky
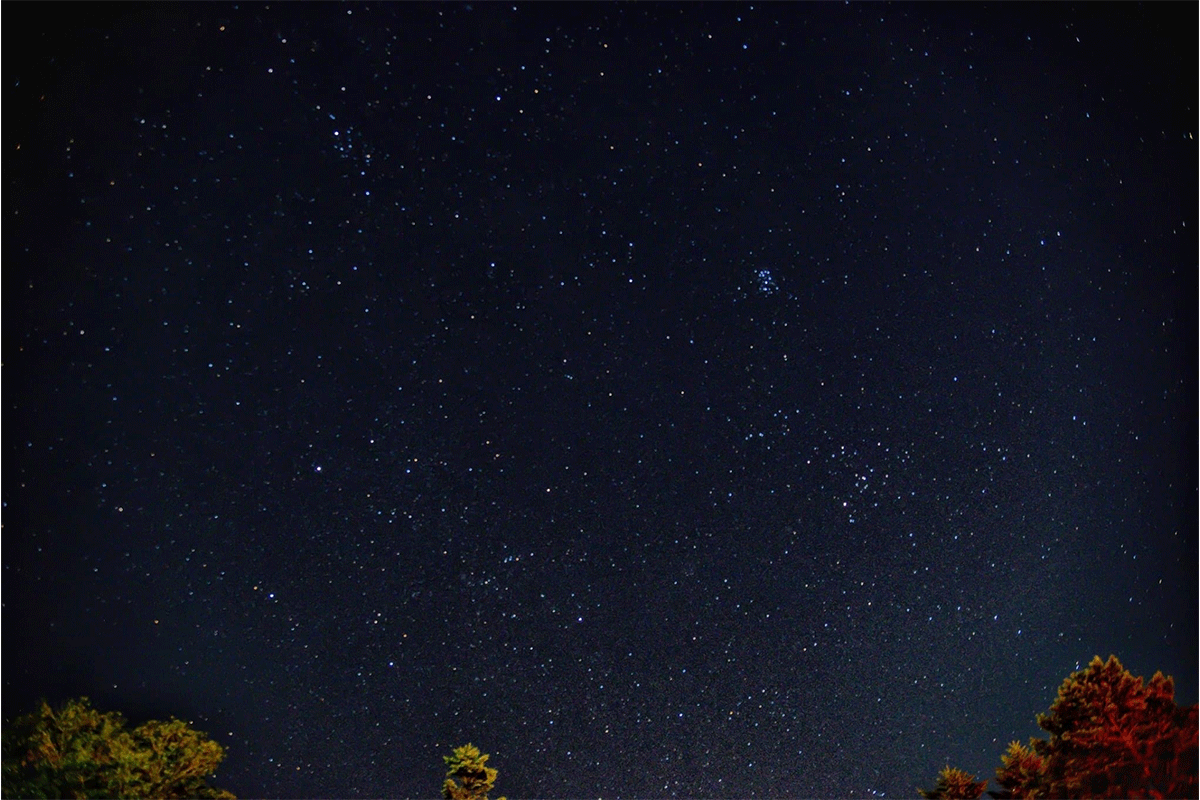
702	400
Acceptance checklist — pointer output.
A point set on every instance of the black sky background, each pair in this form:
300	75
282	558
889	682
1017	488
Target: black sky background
673	400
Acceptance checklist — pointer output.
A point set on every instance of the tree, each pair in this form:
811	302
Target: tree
1021	767
955	784
1111	736
79	752
468	777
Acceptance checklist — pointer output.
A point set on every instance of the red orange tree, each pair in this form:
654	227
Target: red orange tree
1111	735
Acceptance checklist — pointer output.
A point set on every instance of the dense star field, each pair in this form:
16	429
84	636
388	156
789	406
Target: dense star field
699	400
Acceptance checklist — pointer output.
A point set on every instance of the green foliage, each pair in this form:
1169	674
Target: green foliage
955	784
79	752
468	777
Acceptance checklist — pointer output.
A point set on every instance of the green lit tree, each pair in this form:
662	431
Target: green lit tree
79	752
955	784
468	777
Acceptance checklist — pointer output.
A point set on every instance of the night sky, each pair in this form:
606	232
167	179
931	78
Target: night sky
706	400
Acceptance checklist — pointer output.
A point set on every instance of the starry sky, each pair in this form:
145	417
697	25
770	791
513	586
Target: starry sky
673	400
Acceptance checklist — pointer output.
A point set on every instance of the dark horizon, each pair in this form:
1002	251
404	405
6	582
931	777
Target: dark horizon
672	400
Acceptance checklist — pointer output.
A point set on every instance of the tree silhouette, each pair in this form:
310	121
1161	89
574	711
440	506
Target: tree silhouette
468	777
79	752
1111	736
955	784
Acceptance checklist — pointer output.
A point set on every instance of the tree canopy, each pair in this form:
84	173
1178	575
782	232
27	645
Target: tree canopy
1111	735
955	784
468	777
77	751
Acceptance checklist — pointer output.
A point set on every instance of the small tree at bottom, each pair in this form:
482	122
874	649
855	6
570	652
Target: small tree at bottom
468	777
955	784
